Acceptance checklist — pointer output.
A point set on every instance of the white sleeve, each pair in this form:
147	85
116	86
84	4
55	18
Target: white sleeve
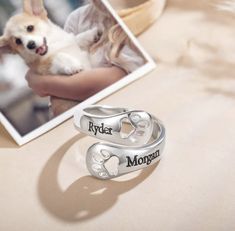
71	24
76	22
129	60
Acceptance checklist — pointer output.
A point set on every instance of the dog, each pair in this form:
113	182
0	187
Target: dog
45	47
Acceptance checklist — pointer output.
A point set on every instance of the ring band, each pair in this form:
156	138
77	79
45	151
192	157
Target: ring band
131	151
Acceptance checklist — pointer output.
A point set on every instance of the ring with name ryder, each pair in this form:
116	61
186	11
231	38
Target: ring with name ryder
136	139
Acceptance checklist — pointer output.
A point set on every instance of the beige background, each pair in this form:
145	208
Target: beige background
45	184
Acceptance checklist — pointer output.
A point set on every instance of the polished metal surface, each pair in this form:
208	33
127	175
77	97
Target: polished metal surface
131	150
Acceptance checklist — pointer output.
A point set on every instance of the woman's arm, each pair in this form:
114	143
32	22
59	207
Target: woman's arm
77	87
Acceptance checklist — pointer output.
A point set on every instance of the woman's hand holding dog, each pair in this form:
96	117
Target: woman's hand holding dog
66	90
76	87
37	83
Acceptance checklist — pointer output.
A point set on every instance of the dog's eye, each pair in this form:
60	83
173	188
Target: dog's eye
18	41
30	28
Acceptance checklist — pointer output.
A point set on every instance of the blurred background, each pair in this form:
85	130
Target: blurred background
18	103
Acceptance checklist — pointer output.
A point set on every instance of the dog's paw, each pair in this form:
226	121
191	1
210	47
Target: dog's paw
73	67
72	70
95	34
66	65
98	35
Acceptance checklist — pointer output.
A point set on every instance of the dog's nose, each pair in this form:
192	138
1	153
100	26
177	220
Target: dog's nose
31	45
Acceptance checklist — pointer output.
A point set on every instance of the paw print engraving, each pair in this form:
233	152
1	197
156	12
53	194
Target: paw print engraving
105	164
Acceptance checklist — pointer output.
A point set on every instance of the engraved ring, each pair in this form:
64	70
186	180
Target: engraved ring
136	139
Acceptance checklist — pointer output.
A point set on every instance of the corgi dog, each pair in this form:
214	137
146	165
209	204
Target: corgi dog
45	47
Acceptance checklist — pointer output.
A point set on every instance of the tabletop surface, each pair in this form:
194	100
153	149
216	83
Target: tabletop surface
46	186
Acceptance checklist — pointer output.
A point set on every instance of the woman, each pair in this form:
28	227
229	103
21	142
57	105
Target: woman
113	56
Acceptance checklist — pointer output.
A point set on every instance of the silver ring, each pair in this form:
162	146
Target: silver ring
132	149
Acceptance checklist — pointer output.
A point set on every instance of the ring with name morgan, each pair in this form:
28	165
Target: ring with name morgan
135	139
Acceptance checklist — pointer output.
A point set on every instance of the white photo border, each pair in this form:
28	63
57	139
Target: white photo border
149	66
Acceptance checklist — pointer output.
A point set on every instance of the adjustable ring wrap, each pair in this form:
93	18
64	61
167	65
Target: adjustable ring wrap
130	150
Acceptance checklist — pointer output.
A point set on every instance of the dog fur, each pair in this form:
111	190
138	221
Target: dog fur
45	47
64	55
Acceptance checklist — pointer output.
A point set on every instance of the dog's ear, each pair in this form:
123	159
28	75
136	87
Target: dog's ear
4	46
35	7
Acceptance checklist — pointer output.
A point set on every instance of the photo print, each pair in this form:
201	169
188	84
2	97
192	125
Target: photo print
55	60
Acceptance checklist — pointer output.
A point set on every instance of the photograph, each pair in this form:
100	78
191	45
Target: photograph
55	60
